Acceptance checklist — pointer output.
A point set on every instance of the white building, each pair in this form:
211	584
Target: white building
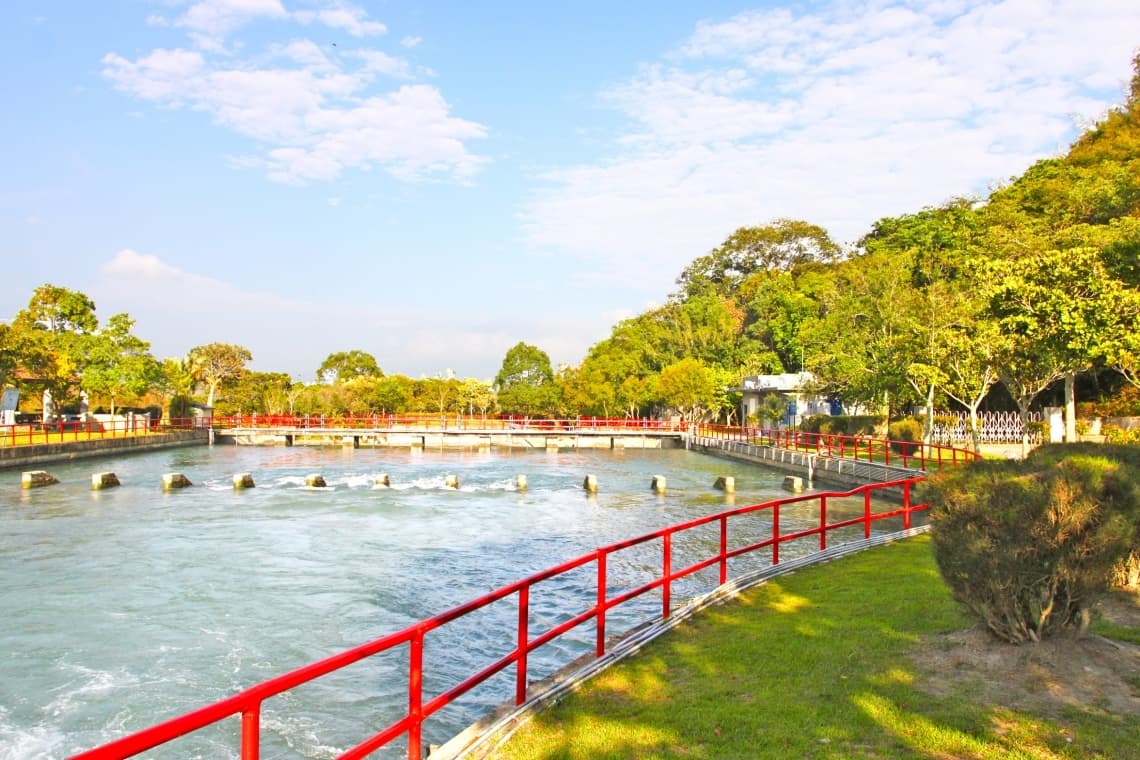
794	387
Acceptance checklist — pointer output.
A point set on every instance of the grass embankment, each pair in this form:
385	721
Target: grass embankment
823	663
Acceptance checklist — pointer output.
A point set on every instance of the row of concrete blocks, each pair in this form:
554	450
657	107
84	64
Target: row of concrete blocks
99	480
174	480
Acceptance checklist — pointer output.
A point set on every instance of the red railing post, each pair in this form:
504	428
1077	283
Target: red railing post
416	695
666	572
600	646
822	523
723	550
776	534
251	733
524	644
906	505
867	513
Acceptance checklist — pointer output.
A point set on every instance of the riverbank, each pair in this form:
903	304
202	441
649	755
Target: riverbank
24	457
882	663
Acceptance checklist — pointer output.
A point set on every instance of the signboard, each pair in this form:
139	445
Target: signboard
8	405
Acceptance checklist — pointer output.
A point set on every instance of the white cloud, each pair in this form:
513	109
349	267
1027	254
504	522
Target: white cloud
382	63
209	21
838	115
314	113
411	41
347	17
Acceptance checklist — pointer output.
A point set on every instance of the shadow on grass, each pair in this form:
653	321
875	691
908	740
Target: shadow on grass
815	664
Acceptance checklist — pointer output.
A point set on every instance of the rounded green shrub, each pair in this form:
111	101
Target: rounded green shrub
905	435
1028	546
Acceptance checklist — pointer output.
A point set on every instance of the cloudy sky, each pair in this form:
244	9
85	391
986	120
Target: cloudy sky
433	182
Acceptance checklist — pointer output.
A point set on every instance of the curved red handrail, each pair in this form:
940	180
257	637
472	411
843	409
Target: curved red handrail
248	703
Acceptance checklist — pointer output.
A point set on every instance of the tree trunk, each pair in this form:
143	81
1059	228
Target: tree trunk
975	434
1023	412
928	425
1070	407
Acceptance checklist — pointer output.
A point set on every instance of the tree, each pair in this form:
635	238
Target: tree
249	392
860	347
525	381
345	365
52	335
174	385
475	394
689	387
393	394
118	363
440	394
214	363
781	245
9	354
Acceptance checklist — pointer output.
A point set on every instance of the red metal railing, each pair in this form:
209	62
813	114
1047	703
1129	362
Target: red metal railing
912	454
513	423
248	703
67	431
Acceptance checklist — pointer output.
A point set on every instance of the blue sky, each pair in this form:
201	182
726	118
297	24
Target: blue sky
433	182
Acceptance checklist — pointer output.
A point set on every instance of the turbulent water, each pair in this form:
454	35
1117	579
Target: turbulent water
121	608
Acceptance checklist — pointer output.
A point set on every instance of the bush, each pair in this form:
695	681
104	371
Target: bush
833	426
814	423
1028	546
1036	430
1118	435
904	435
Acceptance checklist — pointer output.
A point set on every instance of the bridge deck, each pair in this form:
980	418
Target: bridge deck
461	436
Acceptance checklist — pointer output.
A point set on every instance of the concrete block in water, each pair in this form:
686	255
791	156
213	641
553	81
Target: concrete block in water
520	482
451	481
315	481
793	483
382	481
172	480
725	483
101	480
590	484
36	479
658	484
243	480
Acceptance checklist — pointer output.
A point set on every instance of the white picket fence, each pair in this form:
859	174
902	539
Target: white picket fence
953	428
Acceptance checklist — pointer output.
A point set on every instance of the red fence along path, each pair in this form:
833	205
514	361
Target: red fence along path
514	652
912	454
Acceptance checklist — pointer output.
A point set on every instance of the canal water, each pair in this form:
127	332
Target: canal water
124	607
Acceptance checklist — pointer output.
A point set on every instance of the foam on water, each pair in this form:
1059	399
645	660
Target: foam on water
27	742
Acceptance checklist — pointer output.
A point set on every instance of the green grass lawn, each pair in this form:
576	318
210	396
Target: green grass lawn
813	664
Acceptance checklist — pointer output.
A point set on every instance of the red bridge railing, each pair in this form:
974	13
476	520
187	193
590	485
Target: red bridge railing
67	431
515	652
911	454
512	423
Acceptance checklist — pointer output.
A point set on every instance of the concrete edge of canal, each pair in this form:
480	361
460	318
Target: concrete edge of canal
483	738
17	457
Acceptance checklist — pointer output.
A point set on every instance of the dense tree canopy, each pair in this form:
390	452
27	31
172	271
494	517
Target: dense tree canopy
525	382
345	365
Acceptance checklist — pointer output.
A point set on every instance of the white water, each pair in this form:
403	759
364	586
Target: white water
125	607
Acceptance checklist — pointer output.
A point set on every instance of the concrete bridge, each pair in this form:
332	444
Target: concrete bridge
540	435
